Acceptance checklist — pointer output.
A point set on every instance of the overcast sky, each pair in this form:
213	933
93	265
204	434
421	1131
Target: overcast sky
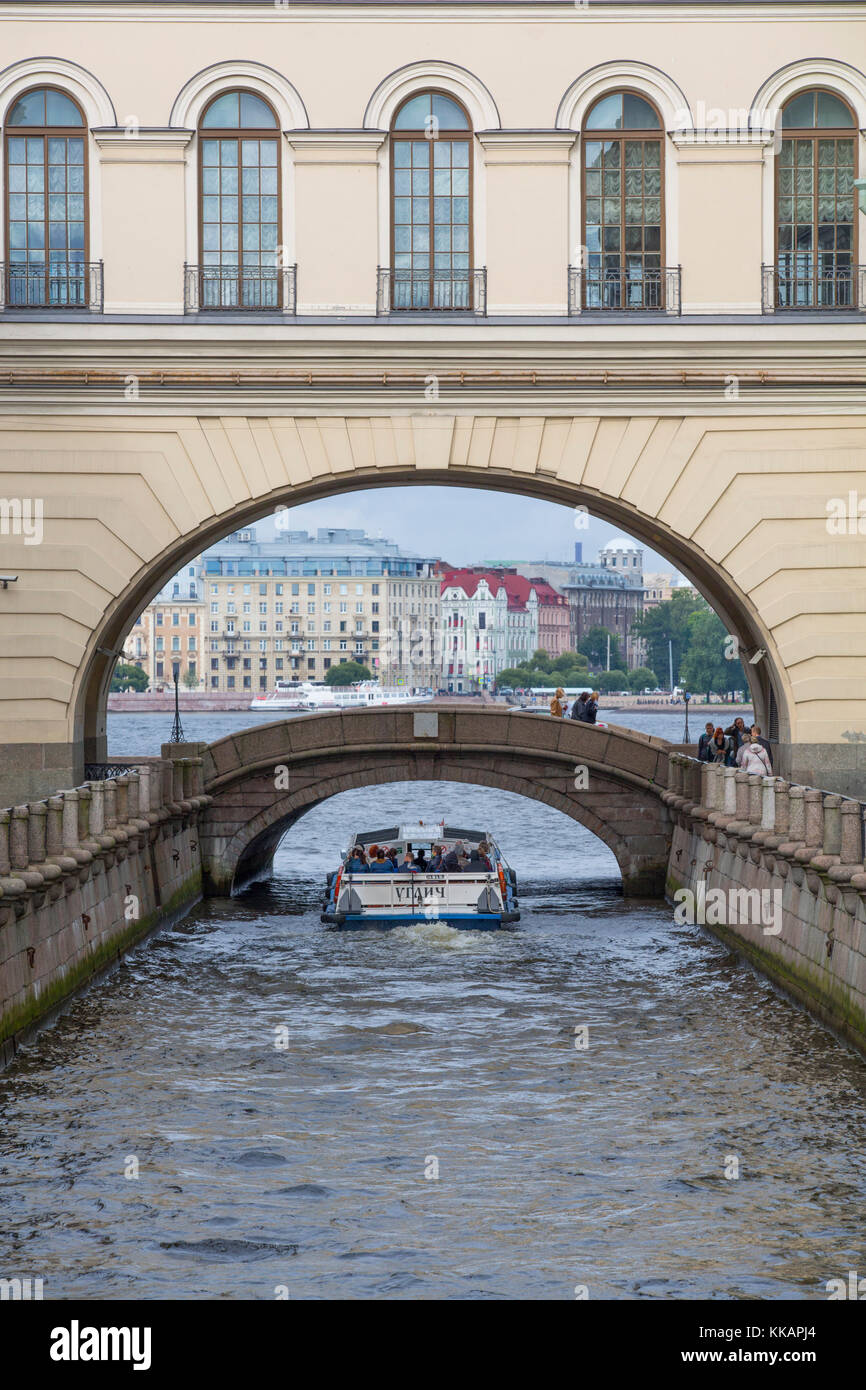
466	526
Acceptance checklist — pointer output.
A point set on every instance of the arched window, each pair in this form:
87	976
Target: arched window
816	218
623	204
46	205
431	204
239	205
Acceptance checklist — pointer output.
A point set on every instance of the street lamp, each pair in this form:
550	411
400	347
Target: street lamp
177	734
686	698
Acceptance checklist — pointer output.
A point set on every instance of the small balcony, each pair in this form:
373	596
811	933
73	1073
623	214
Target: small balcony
802	284
51	285
242	289
431	291
625	290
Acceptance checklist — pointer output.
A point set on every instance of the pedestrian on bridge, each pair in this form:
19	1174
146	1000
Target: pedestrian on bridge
556	702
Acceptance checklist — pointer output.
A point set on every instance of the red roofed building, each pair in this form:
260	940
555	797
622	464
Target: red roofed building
554	623
489	622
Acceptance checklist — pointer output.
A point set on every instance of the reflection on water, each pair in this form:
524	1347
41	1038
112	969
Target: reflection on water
262	1166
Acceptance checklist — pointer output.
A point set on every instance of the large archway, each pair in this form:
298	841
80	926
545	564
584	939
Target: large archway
737	501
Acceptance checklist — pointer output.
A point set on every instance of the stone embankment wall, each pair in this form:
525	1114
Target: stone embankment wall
85	874
735	831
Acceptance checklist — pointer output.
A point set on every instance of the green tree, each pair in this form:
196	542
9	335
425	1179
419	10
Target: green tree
347	673
190	680
705	667
611	680
669	622
569	661
641	678
127	677
518	677
594	647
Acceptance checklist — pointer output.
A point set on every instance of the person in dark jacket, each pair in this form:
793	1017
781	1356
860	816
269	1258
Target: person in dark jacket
408	866
737	732
434	864
705	751
764	742
578	709
450	862
722	748
591	708
483	851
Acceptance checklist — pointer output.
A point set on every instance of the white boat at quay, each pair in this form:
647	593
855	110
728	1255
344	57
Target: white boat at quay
307	695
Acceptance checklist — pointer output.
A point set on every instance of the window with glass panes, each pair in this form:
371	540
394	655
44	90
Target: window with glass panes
431	204
46	201
816	225
623	221
240	203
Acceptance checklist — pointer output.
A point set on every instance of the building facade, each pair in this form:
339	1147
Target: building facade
293	607
168	636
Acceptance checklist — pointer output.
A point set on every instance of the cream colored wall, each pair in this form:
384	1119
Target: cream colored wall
720	207
519	62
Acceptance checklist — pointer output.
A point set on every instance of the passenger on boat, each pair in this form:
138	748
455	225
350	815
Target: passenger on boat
434	865
381	865
409	866
451	861
484	856
392	855
357	863
421	861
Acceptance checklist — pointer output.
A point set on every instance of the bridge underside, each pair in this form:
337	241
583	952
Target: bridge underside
264	780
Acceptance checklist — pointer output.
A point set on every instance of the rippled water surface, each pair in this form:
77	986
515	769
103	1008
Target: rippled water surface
303	1169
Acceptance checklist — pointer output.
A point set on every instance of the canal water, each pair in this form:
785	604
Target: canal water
252	1107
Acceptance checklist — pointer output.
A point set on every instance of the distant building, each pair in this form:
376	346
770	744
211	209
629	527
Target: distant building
659	588
554	623
489	622
168	634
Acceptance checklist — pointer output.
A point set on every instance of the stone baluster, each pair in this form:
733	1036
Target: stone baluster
71	844
741	793
796	836
121	799
829	851
813	836
756	800
850	862
54	836
19	848
39	842
768	811
112	819
708	788
98	832
783	815
11	885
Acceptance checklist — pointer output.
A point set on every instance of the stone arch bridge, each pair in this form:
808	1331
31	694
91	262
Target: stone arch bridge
265	778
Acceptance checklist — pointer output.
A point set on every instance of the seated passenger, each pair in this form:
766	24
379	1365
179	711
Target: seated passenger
356	863
434	864
451	861
381	865
409	866
484	852
476	863
420	861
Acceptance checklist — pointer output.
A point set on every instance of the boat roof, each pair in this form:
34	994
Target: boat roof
419	830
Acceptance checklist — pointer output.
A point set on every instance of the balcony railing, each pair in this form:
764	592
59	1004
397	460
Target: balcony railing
802	284
623	291
240	289
426	291
52	285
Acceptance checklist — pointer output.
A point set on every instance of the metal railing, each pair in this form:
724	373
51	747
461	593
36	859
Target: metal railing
103	772
605	290
426	291
801	284
240	289
51	285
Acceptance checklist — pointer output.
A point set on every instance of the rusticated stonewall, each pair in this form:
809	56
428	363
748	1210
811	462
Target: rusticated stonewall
87	873
262	780
796	850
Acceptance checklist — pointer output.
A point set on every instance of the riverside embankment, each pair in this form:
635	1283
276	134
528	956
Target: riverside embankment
776	870
87	873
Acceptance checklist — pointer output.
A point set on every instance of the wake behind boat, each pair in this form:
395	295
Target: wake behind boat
307	695
455	876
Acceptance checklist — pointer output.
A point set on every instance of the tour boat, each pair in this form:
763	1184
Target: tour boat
306	695
478	900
